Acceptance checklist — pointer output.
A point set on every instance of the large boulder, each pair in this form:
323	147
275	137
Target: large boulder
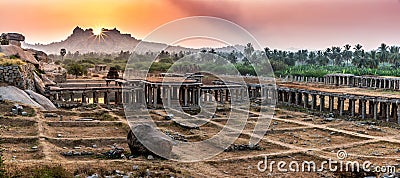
28	97
13	36
156	142
42	100
13	50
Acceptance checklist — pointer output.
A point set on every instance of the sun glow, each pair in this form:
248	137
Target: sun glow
98	31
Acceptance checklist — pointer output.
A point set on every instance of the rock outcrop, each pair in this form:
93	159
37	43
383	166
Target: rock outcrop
12	50
156	142
12	38
15	94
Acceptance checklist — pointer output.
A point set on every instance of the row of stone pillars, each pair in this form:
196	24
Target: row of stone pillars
377	82
290	78
85	96
170	95
343	104
362	81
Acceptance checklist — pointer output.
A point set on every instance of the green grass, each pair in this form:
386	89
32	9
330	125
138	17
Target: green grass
320	71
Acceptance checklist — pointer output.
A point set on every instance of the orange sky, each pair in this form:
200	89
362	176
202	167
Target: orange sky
284	24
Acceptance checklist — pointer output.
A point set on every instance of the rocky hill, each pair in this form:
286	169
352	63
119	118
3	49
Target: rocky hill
109	41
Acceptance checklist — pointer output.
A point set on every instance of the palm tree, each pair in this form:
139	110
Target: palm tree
347	54
372	59
394	55
63	52
312	58
383	53
267	52
336	55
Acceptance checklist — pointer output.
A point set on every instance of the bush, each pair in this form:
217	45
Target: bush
11	62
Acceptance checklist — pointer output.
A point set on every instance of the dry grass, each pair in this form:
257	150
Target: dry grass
11	62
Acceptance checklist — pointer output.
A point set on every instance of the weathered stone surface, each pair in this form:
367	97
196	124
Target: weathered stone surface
155	141
12	50
13	36
17	95
42	100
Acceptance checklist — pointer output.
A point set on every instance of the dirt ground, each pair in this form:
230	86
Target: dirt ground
39	140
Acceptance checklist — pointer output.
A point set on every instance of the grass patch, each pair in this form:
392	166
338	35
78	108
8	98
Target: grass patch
11	62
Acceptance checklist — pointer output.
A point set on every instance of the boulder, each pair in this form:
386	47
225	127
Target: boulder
12	50
13	36
39	84
42	100
156	142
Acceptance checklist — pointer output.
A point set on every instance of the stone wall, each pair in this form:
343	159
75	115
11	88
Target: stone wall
19	76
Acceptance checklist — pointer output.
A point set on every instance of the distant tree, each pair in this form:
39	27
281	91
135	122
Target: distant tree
75	69
383	53
372	60
232	57
347	54
312	58
248	50
212	51
76	55
63	52
267	52
118	67
394	55
246	61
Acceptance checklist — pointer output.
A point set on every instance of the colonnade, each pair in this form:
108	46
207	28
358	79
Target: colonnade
87	95
363	81
343	104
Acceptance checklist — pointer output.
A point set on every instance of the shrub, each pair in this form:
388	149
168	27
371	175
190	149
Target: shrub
11	62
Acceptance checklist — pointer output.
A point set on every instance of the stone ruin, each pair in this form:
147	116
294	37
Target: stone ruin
11	38
113	73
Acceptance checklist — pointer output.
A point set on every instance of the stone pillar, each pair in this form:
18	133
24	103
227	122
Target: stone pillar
71	96
331	102
341	108
298	98
150	94
398	112
198	96
305	103
352	109
313	101
321	102
106	98
83	97
155	95
221	97
375	110
95	98
363	108
371	107
227	95
169	91
185	101
387	111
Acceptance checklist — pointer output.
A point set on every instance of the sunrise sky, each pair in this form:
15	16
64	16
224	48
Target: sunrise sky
282	24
